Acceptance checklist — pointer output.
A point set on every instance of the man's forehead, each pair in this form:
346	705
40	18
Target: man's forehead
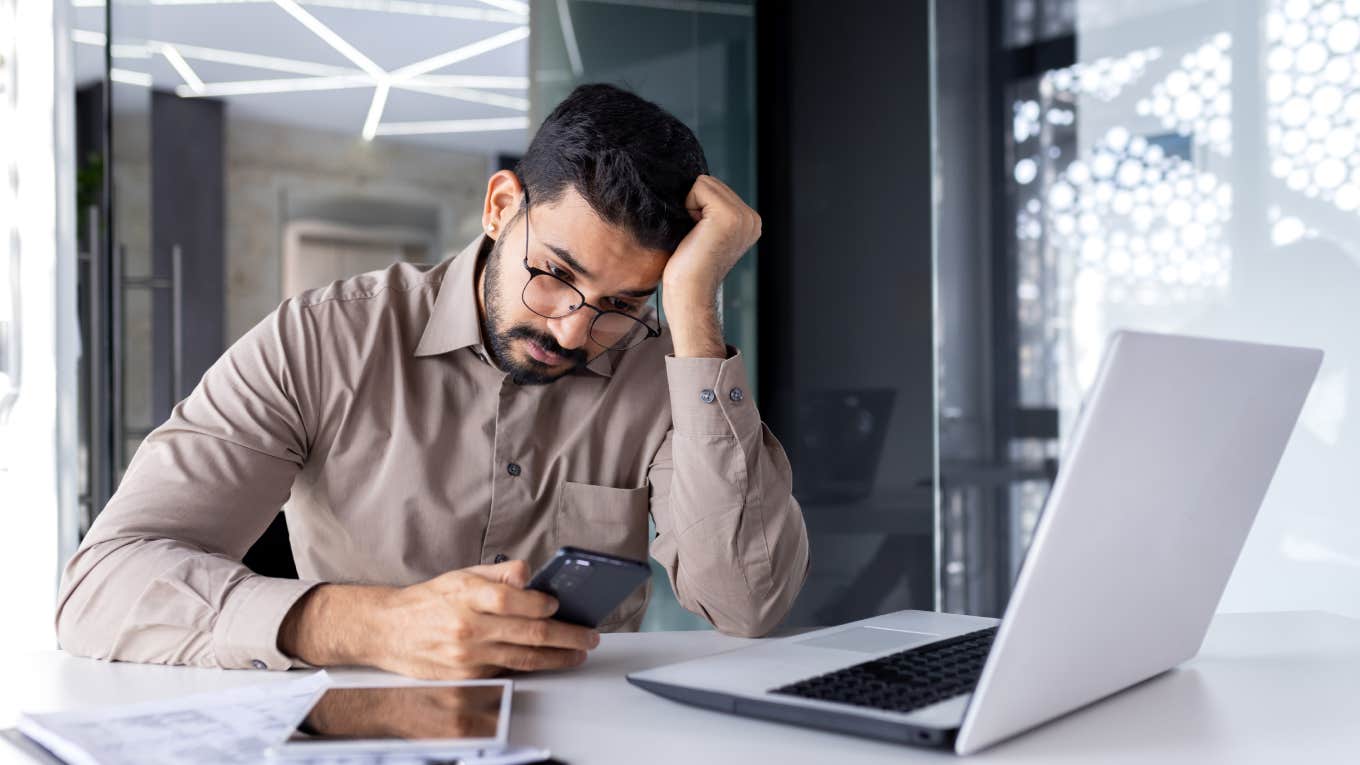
595	249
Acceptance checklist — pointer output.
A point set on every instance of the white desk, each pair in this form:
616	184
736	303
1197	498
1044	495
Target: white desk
1266	688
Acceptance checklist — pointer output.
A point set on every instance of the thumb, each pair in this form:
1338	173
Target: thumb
512	572
696	200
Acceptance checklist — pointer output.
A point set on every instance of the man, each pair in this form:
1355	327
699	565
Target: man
434	431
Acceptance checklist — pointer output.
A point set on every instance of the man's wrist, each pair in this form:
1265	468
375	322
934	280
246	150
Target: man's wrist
334	625
687	293
693	319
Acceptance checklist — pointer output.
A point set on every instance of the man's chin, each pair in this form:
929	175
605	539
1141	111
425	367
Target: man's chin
527	370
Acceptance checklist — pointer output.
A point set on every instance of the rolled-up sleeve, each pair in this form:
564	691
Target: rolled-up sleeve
730	535
159	577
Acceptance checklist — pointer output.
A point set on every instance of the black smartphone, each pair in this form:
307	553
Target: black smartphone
588	585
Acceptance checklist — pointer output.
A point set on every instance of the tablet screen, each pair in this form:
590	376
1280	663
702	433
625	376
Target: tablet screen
403	713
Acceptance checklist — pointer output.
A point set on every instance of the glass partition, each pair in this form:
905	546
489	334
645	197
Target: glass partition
1190	167
697	60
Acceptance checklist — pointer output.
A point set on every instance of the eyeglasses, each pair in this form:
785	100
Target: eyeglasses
549	296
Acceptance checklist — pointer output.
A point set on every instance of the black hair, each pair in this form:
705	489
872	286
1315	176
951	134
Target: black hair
632	161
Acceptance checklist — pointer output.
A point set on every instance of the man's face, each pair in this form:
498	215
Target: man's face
568	239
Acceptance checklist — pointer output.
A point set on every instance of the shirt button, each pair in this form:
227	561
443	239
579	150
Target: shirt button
513	469
707	396
735	394
500	558
257	664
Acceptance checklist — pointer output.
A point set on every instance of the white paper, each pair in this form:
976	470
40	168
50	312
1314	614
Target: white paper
518	755
216	728
231	727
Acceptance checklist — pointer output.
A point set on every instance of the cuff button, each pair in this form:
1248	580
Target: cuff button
257	664
707	396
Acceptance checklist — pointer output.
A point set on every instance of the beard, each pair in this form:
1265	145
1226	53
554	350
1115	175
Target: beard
499	336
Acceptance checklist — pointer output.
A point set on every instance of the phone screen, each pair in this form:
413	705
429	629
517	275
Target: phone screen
403	713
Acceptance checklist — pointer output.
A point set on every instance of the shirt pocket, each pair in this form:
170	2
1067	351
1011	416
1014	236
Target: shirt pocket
608	520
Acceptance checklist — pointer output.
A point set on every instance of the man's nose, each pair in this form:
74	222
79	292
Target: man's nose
572	331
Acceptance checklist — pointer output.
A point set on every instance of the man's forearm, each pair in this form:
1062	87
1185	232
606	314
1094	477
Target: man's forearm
695	330
335	624
722	500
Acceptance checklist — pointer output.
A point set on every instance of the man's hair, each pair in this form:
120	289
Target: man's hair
632	161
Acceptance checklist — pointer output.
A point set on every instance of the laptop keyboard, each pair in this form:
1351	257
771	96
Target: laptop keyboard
904	681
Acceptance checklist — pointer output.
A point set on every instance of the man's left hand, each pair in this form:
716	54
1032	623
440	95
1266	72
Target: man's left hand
725	229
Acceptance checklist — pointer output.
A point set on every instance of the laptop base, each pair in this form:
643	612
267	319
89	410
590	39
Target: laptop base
830	720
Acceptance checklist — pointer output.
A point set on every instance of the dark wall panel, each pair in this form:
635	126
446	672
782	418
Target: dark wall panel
189	209
846	292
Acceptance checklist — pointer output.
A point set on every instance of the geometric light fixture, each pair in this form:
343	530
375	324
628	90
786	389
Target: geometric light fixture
365	73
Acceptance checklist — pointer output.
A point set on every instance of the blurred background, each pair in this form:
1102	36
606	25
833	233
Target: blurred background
961	200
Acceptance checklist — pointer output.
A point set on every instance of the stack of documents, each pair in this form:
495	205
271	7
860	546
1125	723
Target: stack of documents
232	727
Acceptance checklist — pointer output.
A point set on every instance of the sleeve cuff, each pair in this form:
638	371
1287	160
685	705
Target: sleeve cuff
247	631
710	396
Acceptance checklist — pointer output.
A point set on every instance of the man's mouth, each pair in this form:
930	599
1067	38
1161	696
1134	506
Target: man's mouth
543	355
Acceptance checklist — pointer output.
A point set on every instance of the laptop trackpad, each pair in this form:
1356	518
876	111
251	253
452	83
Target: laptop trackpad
871	639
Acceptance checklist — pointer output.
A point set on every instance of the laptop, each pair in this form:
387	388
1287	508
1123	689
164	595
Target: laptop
1169	461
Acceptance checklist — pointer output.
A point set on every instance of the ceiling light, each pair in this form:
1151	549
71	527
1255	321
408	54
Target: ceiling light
128	77
516	103
506	16
685	6
332	39
185	71
454	126
515	6
569	38
375	111
256	61
459	54
281	85
118	50
472	81
379	6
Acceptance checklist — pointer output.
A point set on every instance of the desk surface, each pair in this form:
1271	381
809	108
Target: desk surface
1266	688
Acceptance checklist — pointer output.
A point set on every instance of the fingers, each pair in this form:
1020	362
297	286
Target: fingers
537	632
499	589
512	572
528	659
695	199
485	597
707	189
711	198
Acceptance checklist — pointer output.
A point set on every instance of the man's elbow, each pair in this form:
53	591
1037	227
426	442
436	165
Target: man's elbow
756	625
761	615
76	632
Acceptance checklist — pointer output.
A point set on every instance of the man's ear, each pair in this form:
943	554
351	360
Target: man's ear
503	195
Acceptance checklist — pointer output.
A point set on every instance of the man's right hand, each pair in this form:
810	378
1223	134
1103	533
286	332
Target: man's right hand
469	623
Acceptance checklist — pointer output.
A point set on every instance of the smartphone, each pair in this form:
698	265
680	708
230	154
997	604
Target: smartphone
588	585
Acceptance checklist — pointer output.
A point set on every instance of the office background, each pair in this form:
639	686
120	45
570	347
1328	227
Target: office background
961	200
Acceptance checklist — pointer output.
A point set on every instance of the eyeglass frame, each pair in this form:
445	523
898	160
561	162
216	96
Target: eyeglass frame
590	331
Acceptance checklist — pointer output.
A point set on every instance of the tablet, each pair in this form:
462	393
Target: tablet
411	718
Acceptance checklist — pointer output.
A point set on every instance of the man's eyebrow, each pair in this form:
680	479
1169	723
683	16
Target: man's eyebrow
571	262
576	266
638	293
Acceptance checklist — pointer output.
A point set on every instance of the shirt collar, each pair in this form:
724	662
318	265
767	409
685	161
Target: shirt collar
455	323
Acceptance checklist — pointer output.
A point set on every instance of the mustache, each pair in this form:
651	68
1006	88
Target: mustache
576	355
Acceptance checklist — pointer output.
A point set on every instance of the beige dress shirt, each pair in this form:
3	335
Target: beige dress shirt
367	409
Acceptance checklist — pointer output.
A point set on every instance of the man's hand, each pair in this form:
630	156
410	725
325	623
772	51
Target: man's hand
725	229
469	623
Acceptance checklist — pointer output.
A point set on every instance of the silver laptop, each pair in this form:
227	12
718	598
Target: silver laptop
1168	464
